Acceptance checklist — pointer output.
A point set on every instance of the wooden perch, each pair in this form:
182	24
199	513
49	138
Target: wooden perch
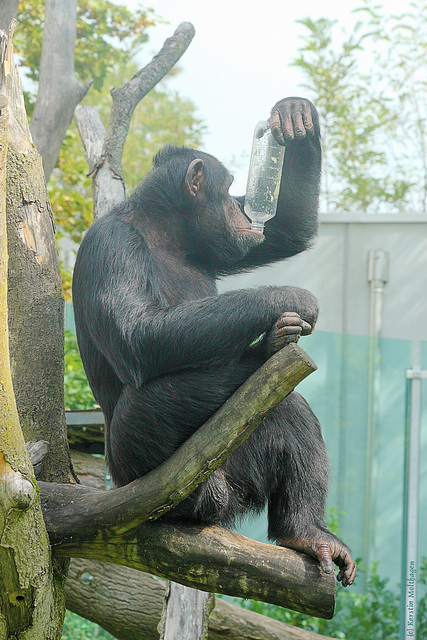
129	603
87	523
217	560
84	513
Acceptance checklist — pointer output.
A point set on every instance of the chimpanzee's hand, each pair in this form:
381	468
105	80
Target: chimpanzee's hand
287	328
294	119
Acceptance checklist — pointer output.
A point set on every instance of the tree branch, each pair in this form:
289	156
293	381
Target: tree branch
72	510
83	522
59	90
217	560
126	98
108	188
103	148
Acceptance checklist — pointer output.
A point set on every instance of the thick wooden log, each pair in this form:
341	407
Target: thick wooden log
217	560
128	604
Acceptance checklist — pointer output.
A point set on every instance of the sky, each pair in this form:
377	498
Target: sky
238	64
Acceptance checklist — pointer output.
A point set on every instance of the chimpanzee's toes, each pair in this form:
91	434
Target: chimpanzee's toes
348	569
328	550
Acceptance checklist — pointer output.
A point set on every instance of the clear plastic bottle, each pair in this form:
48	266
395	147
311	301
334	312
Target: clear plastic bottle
265	172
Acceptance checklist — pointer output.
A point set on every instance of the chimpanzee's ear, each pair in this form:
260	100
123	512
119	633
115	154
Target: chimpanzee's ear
194	177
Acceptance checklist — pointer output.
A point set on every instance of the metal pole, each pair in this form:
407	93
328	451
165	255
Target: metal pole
378	268
408	607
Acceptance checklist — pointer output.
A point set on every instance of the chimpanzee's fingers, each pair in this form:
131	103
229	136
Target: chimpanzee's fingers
291	318
282	126
307	119
288	331
298	124
276	126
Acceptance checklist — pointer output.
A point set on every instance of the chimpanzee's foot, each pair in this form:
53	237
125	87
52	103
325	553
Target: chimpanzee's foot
328	549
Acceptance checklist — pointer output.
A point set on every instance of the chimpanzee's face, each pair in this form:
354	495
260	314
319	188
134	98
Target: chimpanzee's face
220	227
238	225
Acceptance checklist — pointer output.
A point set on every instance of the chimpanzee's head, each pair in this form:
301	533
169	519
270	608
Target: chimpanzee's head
195	186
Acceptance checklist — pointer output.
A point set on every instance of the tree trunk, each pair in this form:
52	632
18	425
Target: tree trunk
31	593
8	11
35	300
59	90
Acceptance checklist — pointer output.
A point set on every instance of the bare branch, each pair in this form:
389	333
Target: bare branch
103	148
108	188
126	99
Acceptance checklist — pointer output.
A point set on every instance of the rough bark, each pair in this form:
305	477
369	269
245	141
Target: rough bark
59	90
31	597
108	188
104	148
88	514
34	297
217	560
185	613
8	11
128	604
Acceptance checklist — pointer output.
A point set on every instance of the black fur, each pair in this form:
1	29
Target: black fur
163	351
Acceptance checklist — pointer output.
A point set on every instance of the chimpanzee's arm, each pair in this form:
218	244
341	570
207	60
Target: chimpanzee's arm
294	227
143	338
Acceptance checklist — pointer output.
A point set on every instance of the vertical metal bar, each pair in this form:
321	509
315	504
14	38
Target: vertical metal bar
408	608
378	266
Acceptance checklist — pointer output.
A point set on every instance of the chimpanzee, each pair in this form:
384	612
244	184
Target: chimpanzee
163	351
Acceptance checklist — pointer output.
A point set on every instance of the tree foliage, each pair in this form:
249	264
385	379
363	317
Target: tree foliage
78	394
370	88
107	34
